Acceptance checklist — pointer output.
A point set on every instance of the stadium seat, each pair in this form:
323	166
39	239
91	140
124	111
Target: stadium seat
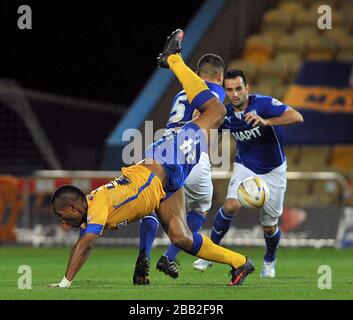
338	19
280	91
290	6
263	88
303	3
345	56
274	72
316	3
342	158
277	19
347	9
345	49
274	34
291	61
310	3
321	48
259	48
296	42
306	18
339	35
250	68
314	158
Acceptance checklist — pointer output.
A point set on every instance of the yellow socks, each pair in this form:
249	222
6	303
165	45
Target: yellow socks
191	82
213	252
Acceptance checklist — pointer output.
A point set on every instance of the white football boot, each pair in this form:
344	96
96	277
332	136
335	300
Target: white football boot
201	264
268	269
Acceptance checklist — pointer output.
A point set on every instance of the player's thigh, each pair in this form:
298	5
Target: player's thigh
277	183
198	199
171	214
212	115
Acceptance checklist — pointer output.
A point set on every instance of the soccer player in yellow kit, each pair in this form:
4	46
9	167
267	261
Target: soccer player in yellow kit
153	184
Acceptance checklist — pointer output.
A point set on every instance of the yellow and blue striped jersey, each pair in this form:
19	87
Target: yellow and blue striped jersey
135	194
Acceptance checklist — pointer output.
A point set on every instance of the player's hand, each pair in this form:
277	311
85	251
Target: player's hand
53	285
254	119
63	284
57	285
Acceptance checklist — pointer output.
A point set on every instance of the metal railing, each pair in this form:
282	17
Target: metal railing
38	226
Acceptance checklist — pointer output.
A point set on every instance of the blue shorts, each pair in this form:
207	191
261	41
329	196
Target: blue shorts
178	152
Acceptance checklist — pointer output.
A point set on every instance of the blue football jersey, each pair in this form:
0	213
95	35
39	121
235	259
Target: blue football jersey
178	152
260	148
182	111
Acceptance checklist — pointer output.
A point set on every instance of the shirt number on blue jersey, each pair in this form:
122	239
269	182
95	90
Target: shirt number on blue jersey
178	110
186	147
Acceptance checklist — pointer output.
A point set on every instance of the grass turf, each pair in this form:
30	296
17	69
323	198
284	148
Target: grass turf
108	275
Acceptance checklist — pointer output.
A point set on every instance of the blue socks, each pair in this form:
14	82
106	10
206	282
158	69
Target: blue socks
195	221
148	230
271	245
220	226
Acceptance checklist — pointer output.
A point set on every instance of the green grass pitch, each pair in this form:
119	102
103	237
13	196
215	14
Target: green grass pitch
108	275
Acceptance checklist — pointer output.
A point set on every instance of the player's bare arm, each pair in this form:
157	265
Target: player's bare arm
290	116
79	254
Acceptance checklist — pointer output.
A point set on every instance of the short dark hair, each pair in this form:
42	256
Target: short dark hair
210	64
65	194
233	73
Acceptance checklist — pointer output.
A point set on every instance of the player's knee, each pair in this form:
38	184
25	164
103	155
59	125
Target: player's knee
181	241
270	230
220	113
216	111
231	206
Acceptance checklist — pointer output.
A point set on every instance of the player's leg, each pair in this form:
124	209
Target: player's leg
221	225
196	89
171	213
226	213
231	205
198	199
201	98
270	213
168	262
148	230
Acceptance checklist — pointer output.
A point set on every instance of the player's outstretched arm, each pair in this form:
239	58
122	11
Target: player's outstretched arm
290	116
79	254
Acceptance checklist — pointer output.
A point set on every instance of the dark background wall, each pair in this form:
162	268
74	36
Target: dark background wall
103	50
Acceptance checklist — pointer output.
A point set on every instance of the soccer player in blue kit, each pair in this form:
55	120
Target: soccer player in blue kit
254	122
198	187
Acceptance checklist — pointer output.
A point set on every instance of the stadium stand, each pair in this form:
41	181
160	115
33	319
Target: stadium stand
341	158
287	37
